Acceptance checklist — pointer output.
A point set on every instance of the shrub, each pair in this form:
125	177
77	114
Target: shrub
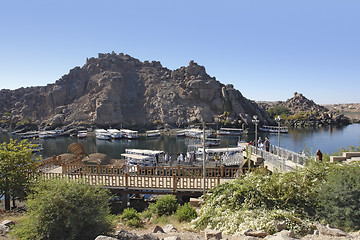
165	205
131	217
186	213
257	201
339	197
278	111
147	214
57	210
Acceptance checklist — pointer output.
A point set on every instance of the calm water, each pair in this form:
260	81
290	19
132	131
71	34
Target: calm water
328	140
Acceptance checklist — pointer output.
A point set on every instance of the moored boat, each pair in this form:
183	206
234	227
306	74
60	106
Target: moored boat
130	134
273	129
229	131
153	133
102	134
82	134
143	157
115	133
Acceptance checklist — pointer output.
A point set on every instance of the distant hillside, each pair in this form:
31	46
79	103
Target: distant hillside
305	112
350	110
117	89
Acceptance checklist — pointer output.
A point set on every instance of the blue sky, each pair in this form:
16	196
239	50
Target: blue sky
267	49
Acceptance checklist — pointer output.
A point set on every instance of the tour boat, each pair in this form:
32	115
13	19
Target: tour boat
197	133
102	134
115	133
273	129
130	134
153	133
82	134
229	131
143	157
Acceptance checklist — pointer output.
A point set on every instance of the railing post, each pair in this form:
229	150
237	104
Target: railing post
218	180
126	180
54	160
179	170
222	170
138	169
98	168
174	183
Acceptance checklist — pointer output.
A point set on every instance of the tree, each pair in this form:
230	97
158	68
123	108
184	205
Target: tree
339	197
17	166
65	210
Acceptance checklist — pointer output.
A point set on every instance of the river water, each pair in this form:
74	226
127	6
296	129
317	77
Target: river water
327	139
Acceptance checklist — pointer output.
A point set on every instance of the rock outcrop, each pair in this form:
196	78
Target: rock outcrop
116	89
306	113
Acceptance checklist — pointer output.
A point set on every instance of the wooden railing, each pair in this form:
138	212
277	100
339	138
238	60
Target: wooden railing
223	172
127	181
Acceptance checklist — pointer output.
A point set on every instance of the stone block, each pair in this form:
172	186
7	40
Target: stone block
212	234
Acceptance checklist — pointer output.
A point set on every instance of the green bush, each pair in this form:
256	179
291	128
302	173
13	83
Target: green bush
186	213
278	111
59	210
147	214
339	197
165	205
131	217
258	201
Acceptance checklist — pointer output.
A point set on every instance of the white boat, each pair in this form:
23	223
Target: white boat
153	133
143	157
273	129
28	135
212	142
82	134
197	133
115	133
130	134
180	133
47	134
102	134
229	131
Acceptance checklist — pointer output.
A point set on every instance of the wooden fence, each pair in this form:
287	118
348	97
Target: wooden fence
127	181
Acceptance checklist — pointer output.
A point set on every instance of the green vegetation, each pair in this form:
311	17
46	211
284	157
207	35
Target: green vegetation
57	210
17	163
25	121
278	111
131	217
297	198
339	197
298	116
165	205
186	213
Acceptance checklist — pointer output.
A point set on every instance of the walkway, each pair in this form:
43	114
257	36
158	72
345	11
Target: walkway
277	159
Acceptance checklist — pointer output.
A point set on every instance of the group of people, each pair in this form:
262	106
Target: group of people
263	145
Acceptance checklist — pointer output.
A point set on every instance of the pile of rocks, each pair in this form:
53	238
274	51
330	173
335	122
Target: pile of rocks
316	115
169	232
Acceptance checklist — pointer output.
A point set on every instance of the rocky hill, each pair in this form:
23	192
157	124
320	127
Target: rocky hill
304	112
117	89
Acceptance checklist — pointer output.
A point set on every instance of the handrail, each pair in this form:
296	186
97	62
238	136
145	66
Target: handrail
279	157
127	181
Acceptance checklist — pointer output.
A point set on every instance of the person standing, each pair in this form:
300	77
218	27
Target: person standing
319	155
267	144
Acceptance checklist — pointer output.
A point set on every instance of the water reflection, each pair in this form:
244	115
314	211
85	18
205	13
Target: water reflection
328	139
